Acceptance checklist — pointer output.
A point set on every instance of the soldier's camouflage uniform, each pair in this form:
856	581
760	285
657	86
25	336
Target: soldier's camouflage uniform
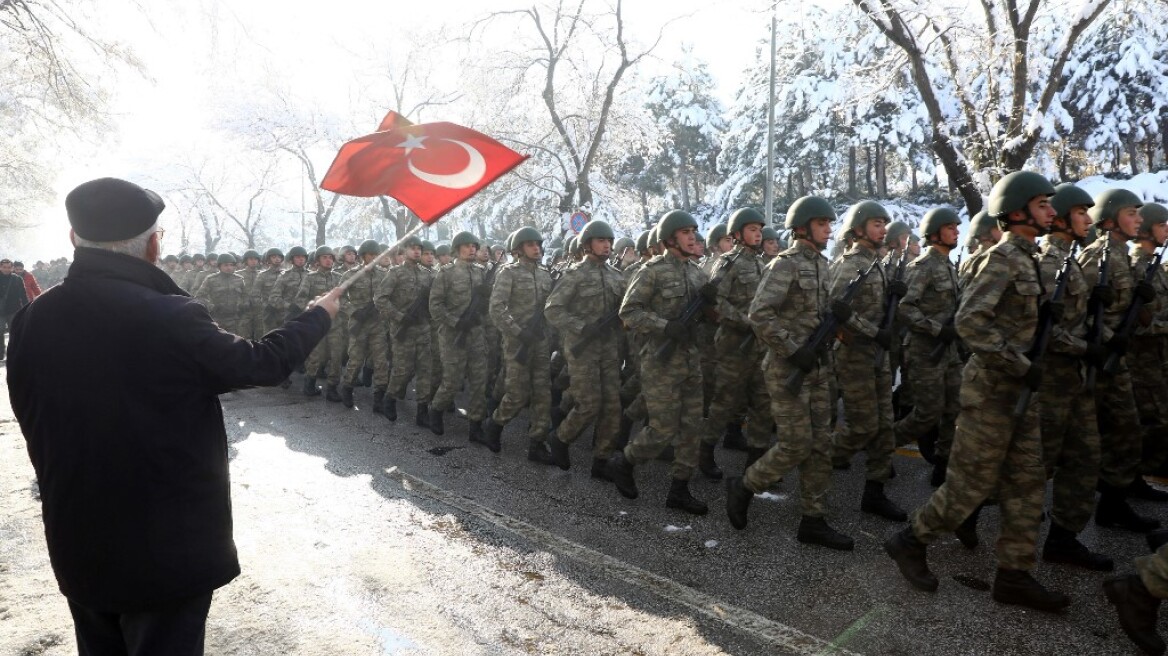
398	290
225	296
632	401
588	291
252	323
519	293
1153	571
865	385
992	451
330	352
261	291
450	296
791	302
970	265
929	304
200	276
739	385
672	386
282	299
705	338
368	342
1146	356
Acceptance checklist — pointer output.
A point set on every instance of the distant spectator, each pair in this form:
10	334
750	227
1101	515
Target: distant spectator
31	288
12	298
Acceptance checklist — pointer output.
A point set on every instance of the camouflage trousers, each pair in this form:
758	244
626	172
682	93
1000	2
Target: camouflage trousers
936	390
463	364
596	389
526	386
1150	387
435	360
253	324
367	343
991	452
672	390
709	359
804	435
494	342
1153	571
1121	439
740	388
411	358
329	354
1070	441
867	394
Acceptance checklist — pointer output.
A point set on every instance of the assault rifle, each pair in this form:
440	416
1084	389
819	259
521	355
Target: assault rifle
1046	320
534	328
893	300
1127	325
697	304
1095	335
828	327
606	321
479	296
416	312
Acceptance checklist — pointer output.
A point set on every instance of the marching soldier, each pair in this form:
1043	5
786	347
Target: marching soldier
653	304
517	304
252	322
331	350
368	343
443	255
790	304
584	307
210	265
262	288
225	295
718	241
1147	353
984	234
403	298
772	244
993	450
348	259
182	279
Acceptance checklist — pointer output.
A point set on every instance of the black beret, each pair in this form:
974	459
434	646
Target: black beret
109	209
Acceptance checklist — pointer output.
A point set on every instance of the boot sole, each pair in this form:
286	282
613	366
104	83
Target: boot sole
699	510
1051	608
841	546
930	586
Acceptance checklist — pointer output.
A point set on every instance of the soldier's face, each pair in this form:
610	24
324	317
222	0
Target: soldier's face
350	257
1159	233
414	253
275	261
751	235
298	260
818	232
770	246
187	266
532	250
227	268
325	261
252	262
1080	221
444	260
726	244
948	235
1127	221
467	252
600	248
428	258
876	229
1042	212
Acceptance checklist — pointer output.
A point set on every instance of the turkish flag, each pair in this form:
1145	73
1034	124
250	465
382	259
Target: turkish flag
430	168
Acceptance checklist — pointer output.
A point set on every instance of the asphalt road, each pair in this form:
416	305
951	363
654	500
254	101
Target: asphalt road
358	535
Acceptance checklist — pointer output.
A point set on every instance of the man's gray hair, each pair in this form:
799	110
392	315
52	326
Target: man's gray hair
134	246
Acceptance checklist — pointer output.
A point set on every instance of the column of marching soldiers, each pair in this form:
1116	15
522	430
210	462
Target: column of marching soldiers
1020	364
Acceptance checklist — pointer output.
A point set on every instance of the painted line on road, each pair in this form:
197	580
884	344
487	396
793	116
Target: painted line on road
741	619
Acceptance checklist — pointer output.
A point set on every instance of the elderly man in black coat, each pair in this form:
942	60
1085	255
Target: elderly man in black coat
114	377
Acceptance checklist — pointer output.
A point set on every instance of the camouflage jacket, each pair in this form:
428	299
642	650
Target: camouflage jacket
868	303
399	288
249	276
225	295
452	290
999	312
587	291
933	294
198	279
520	291
969	266
261	289
1155	314
1119	275
314	284
361	294
657	294
741	271
283	295
1069	336
792	298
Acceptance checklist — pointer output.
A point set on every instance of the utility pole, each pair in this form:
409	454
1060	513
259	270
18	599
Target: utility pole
768	189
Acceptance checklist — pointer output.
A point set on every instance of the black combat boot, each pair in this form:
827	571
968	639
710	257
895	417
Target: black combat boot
752	456
1062	546
310	388
814	530
558	416
367	377
1139	489
559	451
1016	586
876	502
620	470
733	439
1157	539
436	422
1113	511
421	415
940	468
707	464
738	498
378	401
911	558
600	469
967	532
492	434
389	408
680	498
538	452
626	429
347	396
1138	611
330	394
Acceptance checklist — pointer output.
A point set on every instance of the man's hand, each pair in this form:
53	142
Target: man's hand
1103	295
331	302
948	333
805	358
841	310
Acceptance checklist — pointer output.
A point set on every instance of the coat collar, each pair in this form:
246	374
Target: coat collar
95	263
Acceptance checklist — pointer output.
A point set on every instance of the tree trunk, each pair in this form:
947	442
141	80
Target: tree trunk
1133	155
868	169
881	170
645	207
684	171
852	191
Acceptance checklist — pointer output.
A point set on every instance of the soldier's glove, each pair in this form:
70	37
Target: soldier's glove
709	292
1056	310
1096	355
805	358
841	310
530	332
1102	295
1117	344
1145	292
1033	376
884	338
897	288
676	330
948	333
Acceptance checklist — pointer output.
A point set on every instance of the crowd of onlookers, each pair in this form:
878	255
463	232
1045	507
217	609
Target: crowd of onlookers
18	286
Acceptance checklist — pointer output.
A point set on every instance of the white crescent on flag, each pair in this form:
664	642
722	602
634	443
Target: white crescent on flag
475	169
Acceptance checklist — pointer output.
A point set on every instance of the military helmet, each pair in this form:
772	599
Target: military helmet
1151	214
716	234
770	233
596	229
273	251
249	253
346	248
654	237
1015	190
427	245
412	240
570	246
525	234
462	238
643	241
185	259
623	243
1109	203
321	251
859	214
170	258
297	250
442	250
934	219
980	225
227	258
368	247
673	221
1066	196
895	231
198	256
744	217
806	208
212	256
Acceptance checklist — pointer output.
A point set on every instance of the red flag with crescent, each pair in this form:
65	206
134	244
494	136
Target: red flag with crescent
430	168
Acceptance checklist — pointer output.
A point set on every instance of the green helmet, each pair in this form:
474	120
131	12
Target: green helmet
212	256
250	253
1014	191
462	238
442	250
185	259
744	217
770	233
368	247
199	256
1152	214
1109	203
427	245
596	229
297	250
412	240
227	258
673	221
525	234
859	214
716	234
623	243
1066	196
346	248
980	225
570	245
654	237
170	258
806	208
643	241
896	230
320	251
273	251
934	219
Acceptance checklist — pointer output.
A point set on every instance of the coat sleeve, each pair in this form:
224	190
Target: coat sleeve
764	315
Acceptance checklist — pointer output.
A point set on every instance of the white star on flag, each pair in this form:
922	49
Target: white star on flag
412	142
